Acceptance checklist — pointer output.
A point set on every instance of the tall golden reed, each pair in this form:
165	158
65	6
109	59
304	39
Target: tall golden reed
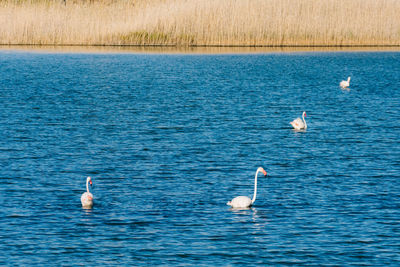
201	22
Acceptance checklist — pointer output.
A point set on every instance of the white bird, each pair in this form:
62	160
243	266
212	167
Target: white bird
245	202
345	84
87	197
300	124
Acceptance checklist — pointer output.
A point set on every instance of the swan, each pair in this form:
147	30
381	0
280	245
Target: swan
245	202
300	124
345	84
87	197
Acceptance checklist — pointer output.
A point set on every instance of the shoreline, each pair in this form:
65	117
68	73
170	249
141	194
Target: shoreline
195	49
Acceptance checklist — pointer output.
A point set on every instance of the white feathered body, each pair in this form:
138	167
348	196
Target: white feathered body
298	124
240	202
345	84
87	200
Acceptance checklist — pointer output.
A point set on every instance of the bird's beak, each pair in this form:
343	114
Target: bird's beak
90	182
264	172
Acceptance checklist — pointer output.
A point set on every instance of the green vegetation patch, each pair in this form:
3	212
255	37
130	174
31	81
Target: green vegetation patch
153	38
142	38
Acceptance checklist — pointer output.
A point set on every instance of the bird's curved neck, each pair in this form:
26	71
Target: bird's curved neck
87	186
305	123
255	187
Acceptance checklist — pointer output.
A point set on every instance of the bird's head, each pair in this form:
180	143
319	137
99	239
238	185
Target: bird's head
262	170
89	180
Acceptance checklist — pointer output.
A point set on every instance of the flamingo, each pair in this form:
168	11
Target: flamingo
245	202
299	124
87	197
345	84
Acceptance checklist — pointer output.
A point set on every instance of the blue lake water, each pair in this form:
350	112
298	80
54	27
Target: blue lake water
169	139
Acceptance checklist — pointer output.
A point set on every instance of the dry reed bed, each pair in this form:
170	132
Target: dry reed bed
205	22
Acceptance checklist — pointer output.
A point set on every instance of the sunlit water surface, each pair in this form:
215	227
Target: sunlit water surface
169	139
